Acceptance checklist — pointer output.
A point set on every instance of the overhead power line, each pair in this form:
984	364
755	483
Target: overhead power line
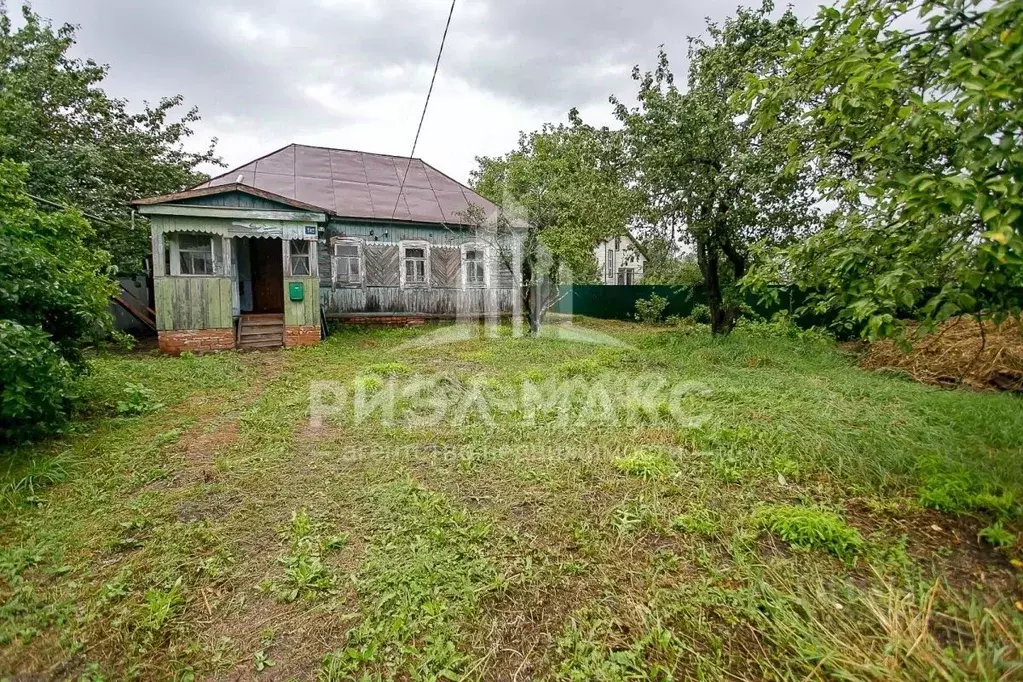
426	104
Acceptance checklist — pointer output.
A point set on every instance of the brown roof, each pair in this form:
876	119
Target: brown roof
352	184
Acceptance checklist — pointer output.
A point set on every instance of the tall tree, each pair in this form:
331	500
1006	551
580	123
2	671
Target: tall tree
712	181
561	191
913	113
84	148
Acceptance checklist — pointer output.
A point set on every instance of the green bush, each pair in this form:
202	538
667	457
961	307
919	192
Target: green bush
53	303
700	313
36	383
810	528
651	310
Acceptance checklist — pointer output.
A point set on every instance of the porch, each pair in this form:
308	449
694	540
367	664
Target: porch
221	283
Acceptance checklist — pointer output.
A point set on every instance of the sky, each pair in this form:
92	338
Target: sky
353	74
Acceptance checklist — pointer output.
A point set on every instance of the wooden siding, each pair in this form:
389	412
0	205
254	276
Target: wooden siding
306	311
236	200
396	232
193	303
445	264
382	266
453	302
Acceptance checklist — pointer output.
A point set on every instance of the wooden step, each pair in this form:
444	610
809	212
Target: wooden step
245	345
257	338
275	321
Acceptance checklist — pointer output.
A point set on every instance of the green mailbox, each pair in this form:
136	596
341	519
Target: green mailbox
296	291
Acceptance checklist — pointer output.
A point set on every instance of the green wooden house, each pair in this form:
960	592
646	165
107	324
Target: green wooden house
259	256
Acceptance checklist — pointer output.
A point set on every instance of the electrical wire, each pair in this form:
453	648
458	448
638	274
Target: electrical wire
426	104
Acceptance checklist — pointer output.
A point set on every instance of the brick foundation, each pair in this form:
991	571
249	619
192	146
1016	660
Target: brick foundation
177	341
301	335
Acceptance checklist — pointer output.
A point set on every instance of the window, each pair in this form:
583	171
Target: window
626	276
347	263
475	273
415	265
300	259
610	264
196	254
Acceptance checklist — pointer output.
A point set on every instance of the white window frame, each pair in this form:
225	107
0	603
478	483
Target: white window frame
609	264
335	258
286	252
464	265
416	244
176	250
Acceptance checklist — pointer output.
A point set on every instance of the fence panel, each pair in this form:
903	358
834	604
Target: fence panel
618	302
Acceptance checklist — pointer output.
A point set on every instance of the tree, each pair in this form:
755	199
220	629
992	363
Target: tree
712	181
561	191
914	121
54	293
84	148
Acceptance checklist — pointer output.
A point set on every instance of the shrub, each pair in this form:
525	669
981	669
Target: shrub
700	313
53	303
811	528
37	384
651	310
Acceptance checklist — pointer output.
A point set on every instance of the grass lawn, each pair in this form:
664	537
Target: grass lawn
772	512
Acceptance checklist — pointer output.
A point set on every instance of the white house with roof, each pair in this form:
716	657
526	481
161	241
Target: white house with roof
620	260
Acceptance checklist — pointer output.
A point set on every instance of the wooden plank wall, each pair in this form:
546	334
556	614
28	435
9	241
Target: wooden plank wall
453	302
193	303
306	311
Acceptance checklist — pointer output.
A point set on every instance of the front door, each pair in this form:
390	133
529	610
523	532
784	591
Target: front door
267	276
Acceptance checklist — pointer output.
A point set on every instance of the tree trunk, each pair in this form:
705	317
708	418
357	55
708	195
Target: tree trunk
721	321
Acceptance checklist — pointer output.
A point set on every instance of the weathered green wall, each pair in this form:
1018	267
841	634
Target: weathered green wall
193	303
304	312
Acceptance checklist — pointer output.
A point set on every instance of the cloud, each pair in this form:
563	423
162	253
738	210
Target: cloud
353	73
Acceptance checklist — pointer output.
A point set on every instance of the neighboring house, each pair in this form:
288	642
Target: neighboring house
248	258
620	260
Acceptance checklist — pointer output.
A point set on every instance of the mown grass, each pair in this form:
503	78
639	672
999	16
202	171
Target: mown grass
784	515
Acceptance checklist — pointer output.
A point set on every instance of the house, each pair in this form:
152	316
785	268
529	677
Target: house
259	256
620	260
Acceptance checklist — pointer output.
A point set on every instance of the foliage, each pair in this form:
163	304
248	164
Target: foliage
138	400
700	313
37	385
53	302
963	493
912	118
651	310
51	279
561	191
996	535
710	180
810	528
305	574
647	464
663	265
84	148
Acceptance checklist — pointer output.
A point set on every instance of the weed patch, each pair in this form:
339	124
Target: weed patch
810	528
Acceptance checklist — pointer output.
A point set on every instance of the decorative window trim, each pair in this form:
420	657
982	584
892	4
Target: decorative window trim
358	243
403	246
464	265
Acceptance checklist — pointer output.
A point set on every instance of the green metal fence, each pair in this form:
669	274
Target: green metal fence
619	302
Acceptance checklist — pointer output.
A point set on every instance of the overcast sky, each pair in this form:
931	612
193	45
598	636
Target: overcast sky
354	73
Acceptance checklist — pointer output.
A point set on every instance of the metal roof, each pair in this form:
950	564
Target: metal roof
351	184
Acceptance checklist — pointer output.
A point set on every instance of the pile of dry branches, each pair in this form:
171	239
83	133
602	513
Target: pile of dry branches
962	351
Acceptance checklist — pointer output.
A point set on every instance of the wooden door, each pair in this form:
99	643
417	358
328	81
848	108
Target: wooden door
267	276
